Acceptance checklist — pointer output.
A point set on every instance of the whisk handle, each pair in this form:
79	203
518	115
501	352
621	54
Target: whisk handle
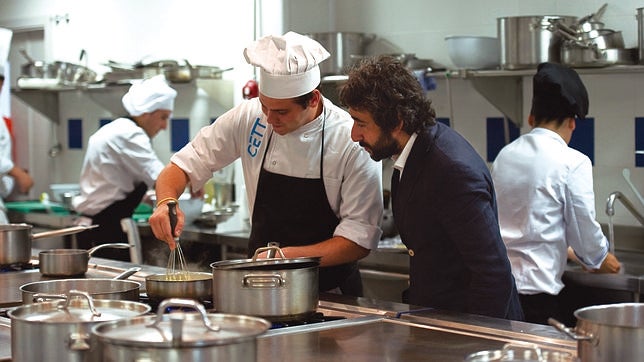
172	212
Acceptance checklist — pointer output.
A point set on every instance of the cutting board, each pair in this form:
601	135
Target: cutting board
35	206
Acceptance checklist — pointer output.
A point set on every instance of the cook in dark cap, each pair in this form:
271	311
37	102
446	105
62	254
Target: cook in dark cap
545	195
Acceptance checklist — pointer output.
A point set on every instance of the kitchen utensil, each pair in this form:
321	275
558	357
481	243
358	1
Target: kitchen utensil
181	336
473	52
69	262
16	240
627	176
611	332
98	288
341	45
176	261
275	289
60	330
526	41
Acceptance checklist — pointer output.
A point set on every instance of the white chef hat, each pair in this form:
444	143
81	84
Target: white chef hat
5	44
288	64
149	95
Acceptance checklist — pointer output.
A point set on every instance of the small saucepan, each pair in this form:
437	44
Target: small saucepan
70	262
188	284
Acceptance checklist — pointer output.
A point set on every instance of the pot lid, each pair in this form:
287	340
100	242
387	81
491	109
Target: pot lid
182	329
266	264
78	310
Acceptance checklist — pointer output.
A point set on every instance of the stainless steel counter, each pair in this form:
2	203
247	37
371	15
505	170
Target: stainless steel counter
372	329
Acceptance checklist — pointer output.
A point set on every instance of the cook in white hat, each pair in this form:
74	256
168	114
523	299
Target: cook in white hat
288	64
308	185
120	165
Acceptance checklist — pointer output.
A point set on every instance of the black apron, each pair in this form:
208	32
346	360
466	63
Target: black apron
295	211
109	226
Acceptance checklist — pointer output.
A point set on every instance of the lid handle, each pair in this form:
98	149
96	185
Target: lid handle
176	325
268	248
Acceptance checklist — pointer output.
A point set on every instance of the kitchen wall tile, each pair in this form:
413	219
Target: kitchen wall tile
583	138
179	133
75	133
495	135
639	141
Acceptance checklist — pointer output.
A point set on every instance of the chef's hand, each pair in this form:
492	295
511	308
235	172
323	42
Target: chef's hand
24	182
609	265
160	224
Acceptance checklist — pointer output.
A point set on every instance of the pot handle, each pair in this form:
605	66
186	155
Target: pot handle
268	248
569	331
176	322
126	274
109	245
65	231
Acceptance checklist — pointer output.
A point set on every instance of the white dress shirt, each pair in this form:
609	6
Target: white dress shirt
119	156
353	181
546	203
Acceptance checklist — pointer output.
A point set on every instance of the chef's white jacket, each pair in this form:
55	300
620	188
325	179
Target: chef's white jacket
119	156
546	203
353	181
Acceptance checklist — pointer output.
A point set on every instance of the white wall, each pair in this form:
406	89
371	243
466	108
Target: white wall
420	26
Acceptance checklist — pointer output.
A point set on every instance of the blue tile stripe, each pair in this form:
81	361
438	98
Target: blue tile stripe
179	133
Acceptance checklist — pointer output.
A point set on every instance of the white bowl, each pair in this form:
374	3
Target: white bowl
473	52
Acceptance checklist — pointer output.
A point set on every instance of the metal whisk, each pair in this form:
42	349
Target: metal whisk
176	268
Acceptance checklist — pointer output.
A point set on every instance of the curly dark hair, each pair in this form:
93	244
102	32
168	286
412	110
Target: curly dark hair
386	89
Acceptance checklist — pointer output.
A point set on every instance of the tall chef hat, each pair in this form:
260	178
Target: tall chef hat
148	96
558	92
288	64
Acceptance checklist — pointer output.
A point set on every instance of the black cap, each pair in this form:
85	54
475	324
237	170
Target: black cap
558	92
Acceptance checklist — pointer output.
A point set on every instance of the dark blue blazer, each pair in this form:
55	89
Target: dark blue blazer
445	210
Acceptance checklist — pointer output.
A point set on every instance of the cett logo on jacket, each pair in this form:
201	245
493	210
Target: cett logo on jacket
255	137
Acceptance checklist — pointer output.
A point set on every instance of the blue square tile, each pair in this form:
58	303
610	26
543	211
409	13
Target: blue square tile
179	133
639	141
495	134
443	120
103	121
583	138
74	133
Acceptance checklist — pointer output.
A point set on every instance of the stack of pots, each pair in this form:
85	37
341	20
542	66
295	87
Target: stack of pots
344	47
526	41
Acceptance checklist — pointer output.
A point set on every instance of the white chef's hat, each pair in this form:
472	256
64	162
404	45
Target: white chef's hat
288	64
5	44
149	95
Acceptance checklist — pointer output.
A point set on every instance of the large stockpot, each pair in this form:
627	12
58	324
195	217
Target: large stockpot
608	333
16	241
275	289
61	330
526	41
341	45
69	262
97	288
180	336
194	285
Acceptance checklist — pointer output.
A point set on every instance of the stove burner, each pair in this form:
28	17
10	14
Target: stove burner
17	267
316	317
154	304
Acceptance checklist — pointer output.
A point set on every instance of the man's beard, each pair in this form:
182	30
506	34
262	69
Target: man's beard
385	147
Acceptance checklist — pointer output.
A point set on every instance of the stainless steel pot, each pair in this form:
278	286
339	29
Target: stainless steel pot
194	285
341	45
526	41
608	333
69	262
97	288
16	241
275	289
61	330
180	336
